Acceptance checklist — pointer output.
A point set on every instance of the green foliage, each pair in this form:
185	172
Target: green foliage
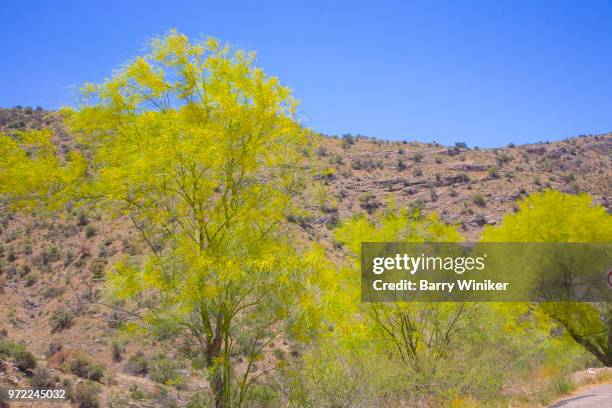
395	226
42	379
201	151
30	279
137	364
479	200
86	395
97	267
417	335
23	359
117	350
30	170
493	172
165	370
90	231
61	319
552	216
82	365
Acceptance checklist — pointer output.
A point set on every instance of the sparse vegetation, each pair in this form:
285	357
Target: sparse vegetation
417	157
86	395
479	200
235	250
137	364
90	231
23	359
61	319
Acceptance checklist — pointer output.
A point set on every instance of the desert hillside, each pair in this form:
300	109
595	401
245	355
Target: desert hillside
52	268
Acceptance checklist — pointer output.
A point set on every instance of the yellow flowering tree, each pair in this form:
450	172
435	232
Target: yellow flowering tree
421	332
201	151
552	216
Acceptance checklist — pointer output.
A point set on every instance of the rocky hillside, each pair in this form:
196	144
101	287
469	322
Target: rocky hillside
57	329
469	187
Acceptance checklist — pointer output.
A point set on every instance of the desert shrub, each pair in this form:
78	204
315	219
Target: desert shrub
30	279
165	371
348	140
417	172
263	396
200	399
479	200
462	178
116	351
279	354
136	393
79	365
67	385
493	172
433	194
27	248
336	159
568	178
401	165
90	231
97	268
54	347
68	258
301	218
480	219
47	256
82	219
86	395
366	164
7	348
564	385
369	202
137	364
417	157
504	158
42	379
416	206
96	372
24	360
53	292
82	365
61	319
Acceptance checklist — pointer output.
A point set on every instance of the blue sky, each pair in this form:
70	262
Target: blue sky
487	73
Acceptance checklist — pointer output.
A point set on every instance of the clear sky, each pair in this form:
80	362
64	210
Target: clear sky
484	72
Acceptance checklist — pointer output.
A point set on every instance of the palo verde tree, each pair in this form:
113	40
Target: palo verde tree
201	151
419	333
552	216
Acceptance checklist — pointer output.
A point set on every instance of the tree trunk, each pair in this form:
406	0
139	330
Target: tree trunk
216	378
609	324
